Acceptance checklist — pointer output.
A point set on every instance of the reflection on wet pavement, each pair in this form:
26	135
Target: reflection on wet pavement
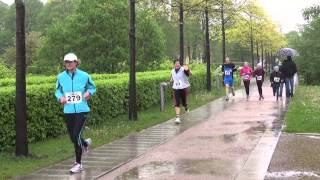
235	140
233	135
184	166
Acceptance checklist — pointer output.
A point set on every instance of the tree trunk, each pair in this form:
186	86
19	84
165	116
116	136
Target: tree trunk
251	43
132	84
258	56
267	61
189	52
208	51
262	55
21	107
223	34
181	32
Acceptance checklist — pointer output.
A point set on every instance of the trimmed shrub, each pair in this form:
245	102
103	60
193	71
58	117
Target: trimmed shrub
38	80
45	116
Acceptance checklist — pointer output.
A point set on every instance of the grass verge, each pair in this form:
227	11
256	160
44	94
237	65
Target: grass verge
304	111
54	150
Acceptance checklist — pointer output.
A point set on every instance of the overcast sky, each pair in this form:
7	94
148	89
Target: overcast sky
287	13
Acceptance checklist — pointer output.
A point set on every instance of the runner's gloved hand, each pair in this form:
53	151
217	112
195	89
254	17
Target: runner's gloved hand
63	100
87	95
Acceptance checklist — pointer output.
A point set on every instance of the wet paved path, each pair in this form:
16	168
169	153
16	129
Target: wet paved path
221	140
296	157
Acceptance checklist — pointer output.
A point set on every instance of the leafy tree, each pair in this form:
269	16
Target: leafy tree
307	44
32	46
54	11
150	42
311	13
97	31
33	9
6	35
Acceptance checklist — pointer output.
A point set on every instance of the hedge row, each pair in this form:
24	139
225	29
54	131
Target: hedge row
44	113
39	80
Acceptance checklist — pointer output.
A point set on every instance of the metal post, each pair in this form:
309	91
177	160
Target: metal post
163	86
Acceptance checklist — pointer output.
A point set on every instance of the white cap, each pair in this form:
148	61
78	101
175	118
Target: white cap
276	68
70	57
259	64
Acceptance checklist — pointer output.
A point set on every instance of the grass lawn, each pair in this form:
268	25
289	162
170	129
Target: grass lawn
54	150
303	115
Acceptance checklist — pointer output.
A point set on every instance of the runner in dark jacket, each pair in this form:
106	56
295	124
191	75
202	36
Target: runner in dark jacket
228	68
259	74
276	78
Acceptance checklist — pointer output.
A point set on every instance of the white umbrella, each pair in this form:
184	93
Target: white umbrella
284	52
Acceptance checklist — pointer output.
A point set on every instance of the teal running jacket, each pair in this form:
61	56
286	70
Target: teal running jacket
73	86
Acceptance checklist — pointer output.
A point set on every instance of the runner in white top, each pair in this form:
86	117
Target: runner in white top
179	78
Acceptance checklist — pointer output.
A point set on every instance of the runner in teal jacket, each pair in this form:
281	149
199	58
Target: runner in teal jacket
73	90
73	86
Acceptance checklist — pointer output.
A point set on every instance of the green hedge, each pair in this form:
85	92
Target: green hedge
45	113
38	80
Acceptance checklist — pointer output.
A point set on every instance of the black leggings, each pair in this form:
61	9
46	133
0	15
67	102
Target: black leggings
75	124
247	86
259	84
180	96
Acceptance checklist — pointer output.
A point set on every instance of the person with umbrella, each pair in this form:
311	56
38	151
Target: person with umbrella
288	69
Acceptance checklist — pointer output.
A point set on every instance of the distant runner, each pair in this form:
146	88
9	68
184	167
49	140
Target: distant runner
246	75
228	68
179	78
74	89
259	74
276	78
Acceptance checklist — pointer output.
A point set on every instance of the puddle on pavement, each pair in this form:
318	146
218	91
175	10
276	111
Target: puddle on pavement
186	166
314	137
288	174
229	138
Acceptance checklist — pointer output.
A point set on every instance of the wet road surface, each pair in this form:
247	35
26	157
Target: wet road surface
231	139
297	157
237	142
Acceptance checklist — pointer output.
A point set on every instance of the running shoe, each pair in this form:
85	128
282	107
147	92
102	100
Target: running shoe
76	168
88	147
177	121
